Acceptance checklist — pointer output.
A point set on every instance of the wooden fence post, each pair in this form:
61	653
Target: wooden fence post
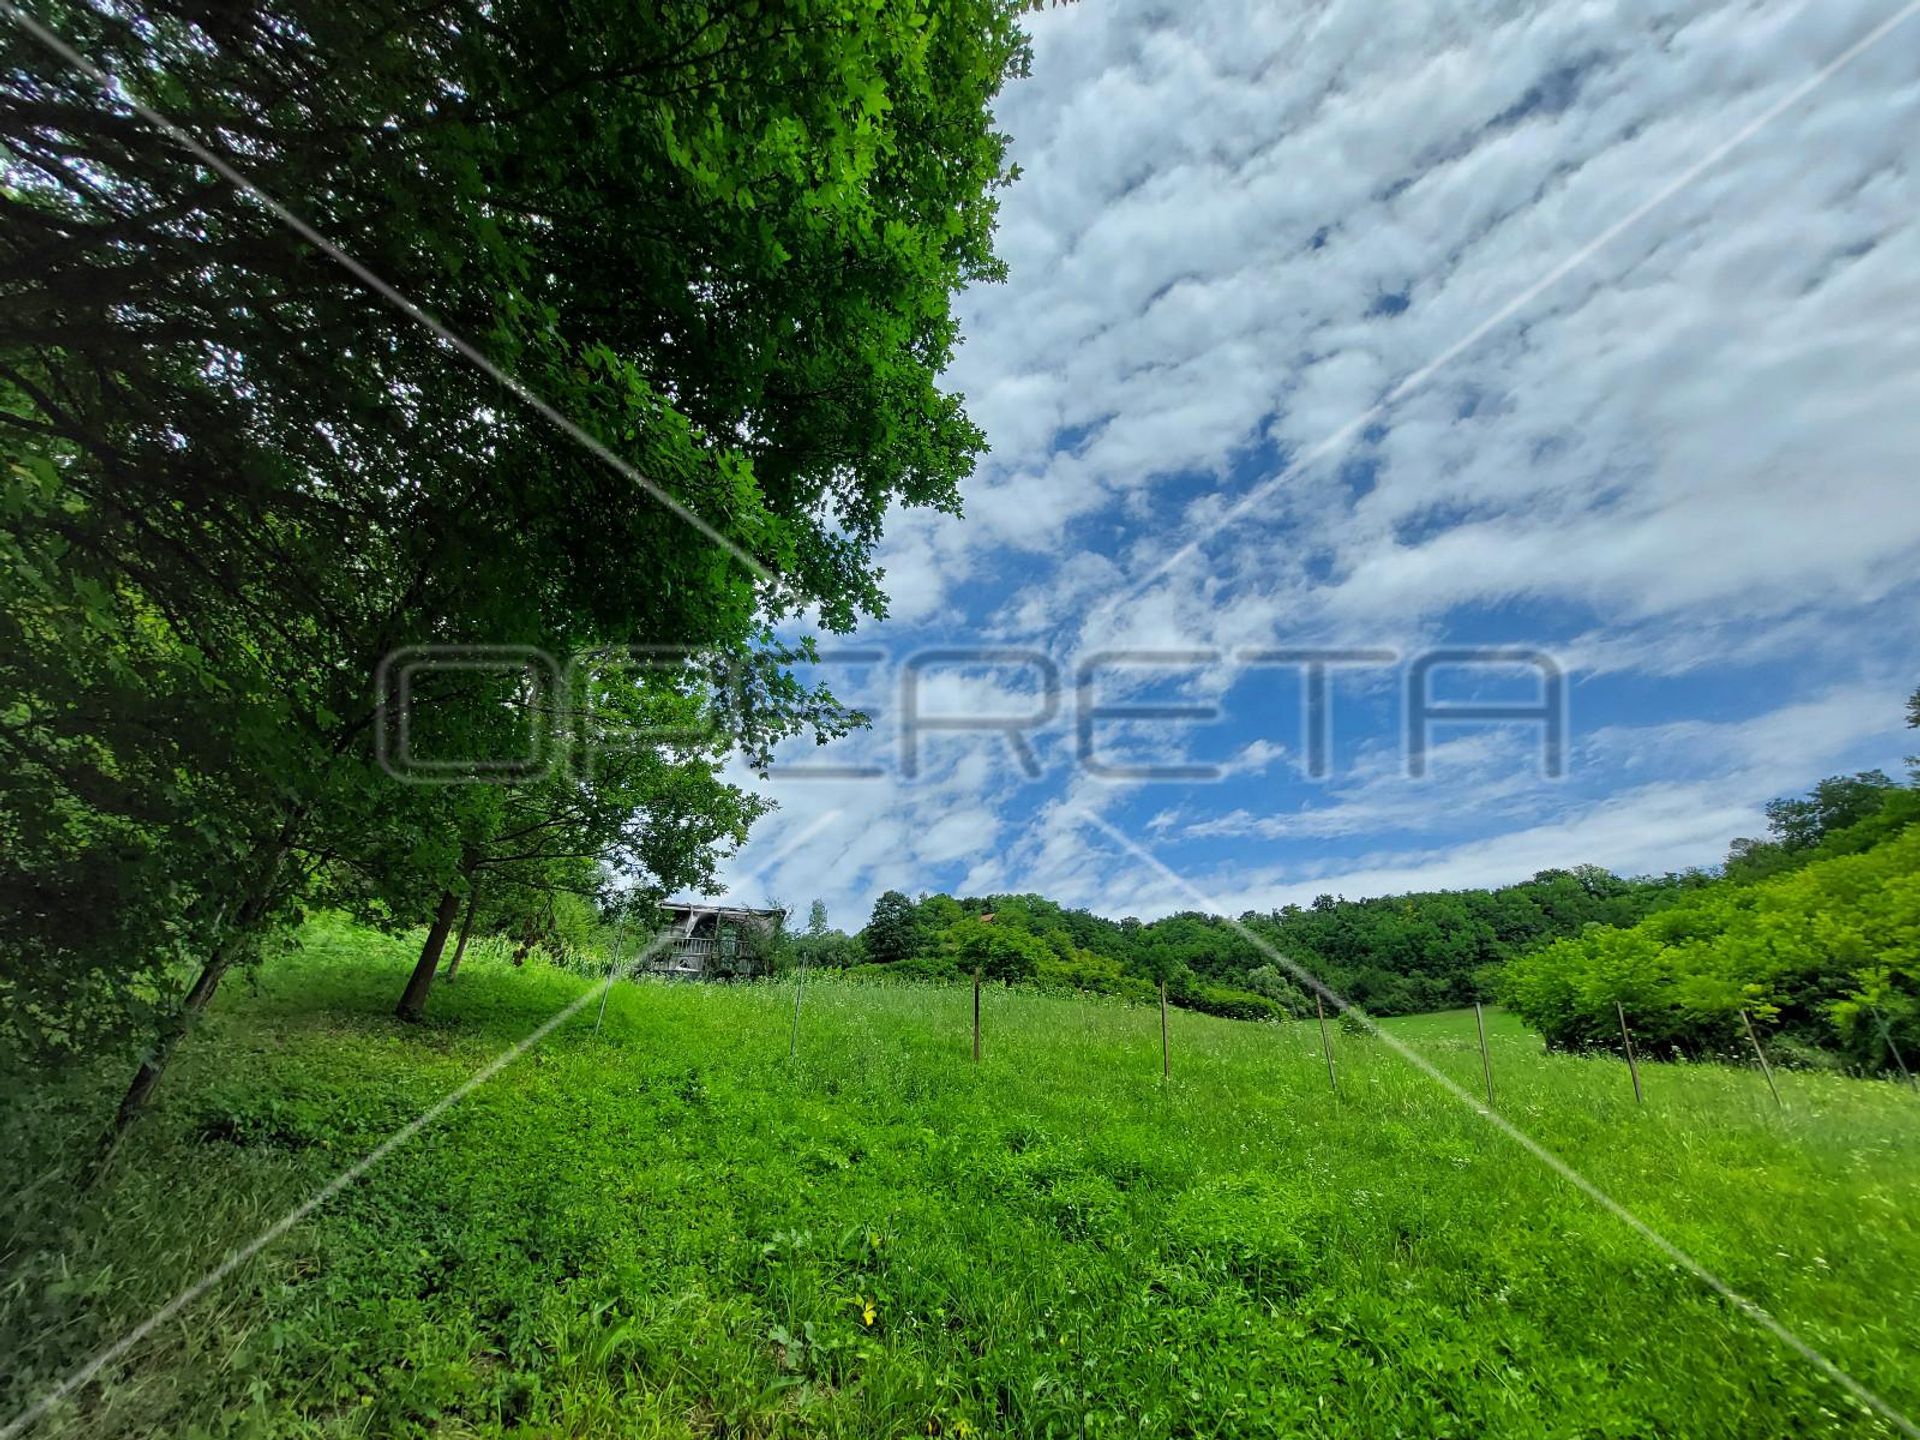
1326	1045
1486	1062
1166	1059
1633	1065
976	1014
1761	1056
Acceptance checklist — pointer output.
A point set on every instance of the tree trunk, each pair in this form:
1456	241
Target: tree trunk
227	947
147	1077
466	929
413	1001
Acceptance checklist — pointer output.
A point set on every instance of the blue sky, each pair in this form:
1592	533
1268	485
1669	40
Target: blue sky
1230	409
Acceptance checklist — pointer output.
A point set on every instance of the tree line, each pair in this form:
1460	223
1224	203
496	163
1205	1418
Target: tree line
720	241
1390	955
1812	927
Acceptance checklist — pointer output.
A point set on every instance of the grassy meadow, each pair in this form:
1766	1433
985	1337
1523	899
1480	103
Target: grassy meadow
672	1228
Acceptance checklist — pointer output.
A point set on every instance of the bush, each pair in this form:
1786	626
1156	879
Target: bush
1267	980
1827	956
1784	1052
1226	1002
1083	970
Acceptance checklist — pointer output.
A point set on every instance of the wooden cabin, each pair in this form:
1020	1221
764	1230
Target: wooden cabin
716	942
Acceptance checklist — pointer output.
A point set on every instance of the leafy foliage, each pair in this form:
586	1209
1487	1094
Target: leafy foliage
999	952
1827	955
1395	955
1842	812
721	240
893	933
1814	932
1544	944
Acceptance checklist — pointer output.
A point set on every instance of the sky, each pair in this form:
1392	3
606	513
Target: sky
1559	360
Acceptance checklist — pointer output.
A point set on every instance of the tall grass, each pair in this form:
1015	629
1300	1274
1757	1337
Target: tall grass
672	1228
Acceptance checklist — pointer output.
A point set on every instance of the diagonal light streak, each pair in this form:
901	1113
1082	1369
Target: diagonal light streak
1751	1309
118	93
236	1258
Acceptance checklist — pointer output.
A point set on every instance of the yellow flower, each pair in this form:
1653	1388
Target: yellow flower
867	1311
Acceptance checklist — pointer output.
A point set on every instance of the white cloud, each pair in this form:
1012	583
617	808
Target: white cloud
1631	828
1239	226
1713	411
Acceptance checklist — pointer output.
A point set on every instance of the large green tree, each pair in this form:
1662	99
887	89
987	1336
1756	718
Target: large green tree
720	239
893	930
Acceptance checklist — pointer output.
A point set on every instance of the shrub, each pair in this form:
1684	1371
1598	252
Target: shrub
1268	980
1828	956
914	967
1225	1001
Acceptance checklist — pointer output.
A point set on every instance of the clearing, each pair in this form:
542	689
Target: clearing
672	1228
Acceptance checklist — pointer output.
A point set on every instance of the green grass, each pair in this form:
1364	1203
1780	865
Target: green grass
671	1228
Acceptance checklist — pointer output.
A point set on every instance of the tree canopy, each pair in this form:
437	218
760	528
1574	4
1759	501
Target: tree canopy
720	241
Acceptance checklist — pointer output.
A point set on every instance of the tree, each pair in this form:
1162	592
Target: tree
1913	723
998	952
1268	980
1170	961
817	919
828	950
1835	803
893	930
235	483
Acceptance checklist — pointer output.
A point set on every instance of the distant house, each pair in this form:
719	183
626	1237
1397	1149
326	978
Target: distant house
716	942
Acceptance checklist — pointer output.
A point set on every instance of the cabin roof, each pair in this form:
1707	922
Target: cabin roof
724	912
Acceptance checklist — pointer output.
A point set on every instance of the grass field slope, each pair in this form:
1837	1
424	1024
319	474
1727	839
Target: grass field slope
671	1227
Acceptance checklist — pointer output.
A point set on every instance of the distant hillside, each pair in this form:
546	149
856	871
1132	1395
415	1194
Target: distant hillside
1392	955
